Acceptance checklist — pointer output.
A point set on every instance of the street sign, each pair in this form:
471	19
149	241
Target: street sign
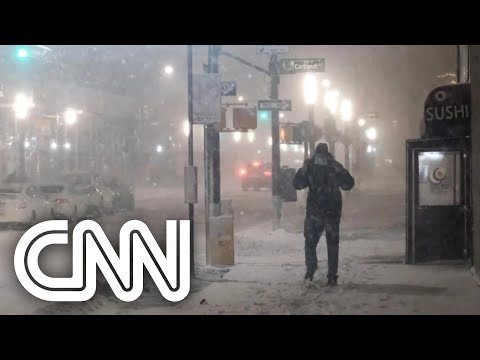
229	88
272	49
280	105
296	66
206	99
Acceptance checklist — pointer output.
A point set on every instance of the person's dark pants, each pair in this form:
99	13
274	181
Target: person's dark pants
313	230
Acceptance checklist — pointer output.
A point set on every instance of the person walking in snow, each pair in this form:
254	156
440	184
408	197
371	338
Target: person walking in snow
324	177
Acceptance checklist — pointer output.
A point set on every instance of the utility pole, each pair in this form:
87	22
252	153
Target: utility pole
276	198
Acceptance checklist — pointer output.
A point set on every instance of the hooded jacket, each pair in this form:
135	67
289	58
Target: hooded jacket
324	177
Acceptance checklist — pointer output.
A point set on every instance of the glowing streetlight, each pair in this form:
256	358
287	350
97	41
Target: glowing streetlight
159	148
369	148
168	70
282	115
237	136
346	110
361	122
186	128
240	98
26	144
251	136
22	106
331	100
371	133
53	145
310	89
67	146
71	116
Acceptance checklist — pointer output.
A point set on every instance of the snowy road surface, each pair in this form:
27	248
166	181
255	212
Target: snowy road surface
267	277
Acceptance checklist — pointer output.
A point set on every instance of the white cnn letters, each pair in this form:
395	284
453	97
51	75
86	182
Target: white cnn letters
123	271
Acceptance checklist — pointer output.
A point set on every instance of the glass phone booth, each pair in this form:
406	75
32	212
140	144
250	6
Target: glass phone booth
438	200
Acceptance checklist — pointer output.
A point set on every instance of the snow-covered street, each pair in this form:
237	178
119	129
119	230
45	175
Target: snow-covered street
268	275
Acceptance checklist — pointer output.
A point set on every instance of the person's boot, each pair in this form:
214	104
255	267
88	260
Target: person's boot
332	280
308	278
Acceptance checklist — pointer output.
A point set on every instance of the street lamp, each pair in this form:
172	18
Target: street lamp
331	100
168	70
361	122
371	133
71	116
159	148
22	106
240	98
53	145
67	146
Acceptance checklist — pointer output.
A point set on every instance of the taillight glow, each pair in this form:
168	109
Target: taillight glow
243	172
256	164
267	173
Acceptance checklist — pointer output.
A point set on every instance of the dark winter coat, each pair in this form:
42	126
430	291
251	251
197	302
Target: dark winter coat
324	177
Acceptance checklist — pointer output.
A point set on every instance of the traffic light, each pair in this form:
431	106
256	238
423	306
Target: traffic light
244	118
291	133
263	115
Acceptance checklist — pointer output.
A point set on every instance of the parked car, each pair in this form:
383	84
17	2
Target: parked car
23	204
86	179
72	202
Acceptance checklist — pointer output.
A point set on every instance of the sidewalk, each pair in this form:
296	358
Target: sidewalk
268	279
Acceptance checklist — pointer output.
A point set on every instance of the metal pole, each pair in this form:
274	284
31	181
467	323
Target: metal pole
276	198
211	158
190	154
213	144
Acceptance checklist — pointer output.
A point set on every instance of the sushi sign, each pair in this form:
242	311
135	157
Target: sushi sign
448	111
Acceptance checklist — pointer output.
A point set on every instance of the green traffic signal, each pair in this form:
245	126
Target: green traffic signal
22	53
263	115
